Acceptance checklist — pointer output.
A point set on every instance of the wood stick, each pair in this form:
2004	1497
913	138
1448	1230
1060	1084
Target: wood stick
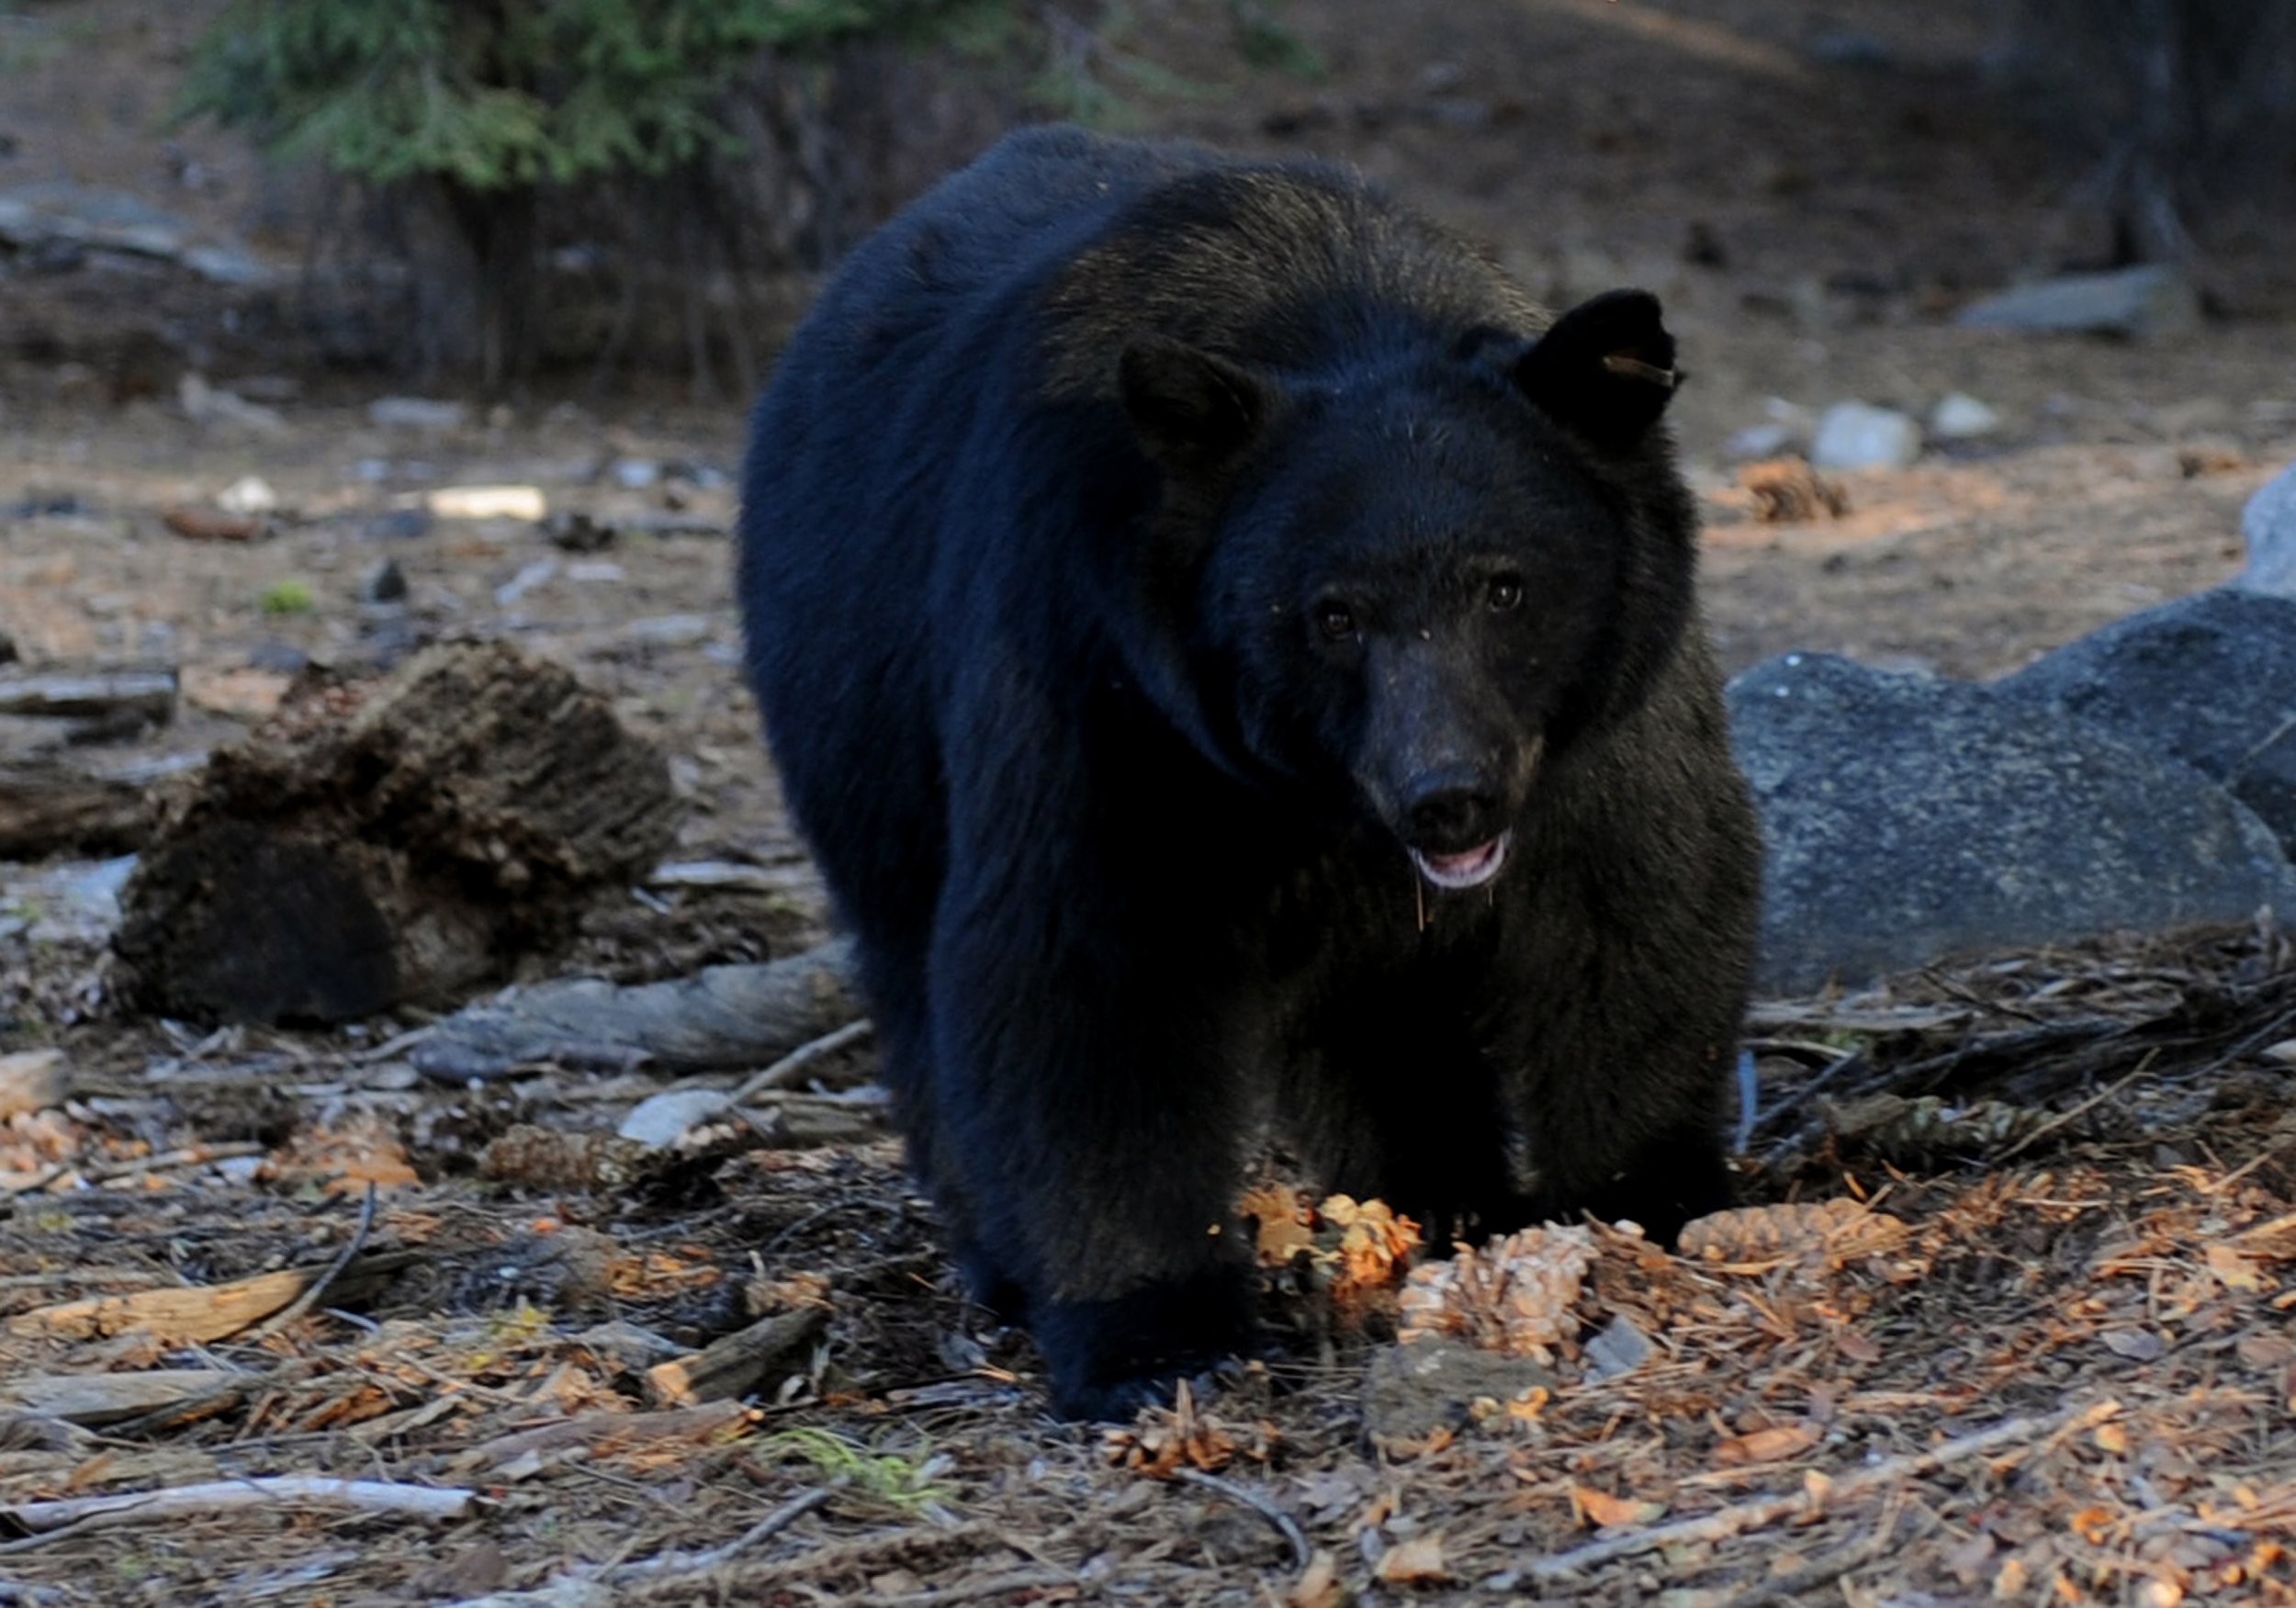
319	1286
1303	1554
783	1072
1739	1517
728	1366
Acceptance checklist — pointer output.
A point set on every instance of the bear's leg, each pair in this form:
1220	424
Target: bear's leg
1395	1101
1637	1138
893	980
1090	1102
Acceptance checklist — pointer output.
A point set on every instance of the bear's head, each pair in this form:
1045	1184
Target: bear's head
1412	582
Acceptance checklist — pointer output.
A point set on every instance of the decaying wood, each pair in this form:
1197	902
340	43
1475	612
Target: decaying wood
147	696
729	1365
401	843
202	1312
725	1017
46	808
97	1399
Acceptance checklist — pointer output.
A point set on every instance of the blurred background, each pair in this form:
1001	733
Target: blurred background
1989	306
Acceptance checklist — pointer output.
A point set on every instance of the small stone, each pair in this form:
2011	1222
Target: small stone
1854	436
1619	1349
528	578
250	494
1962	417
660	1120
669	631
1413	1390
214	407
575	531
416	414
635	474
399	524
385	583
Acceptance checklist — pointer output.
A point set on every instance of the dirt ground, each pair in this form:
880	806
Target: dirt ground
2049	1360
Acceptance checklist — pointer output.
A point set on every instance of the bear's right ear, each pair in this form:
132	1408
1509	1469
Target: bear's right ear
1193	411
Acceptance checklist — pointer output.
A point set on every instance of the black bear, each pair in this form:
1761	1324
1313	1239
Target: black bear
1235	658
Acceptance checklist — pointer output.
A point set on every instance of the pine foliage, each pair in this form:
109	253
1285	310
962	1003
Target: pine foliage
491	94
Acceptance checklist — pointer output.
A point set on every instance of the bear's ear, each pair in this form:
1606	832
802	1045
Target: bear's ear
1192	410
1605	368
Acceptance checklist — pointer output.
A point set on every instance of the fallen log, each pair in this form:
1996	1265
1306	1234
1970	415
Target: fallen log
146	696
47	809
399	843
725	1018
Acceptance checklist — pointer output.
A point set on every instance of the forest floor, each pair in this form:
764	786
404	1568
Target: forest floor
2049	1357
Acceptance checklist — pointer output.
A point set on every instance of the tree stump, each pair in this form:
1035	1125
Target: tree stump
401	843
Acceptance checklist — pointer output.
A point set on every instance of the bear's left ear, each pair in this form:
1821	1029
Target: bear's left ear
1194	412
1605	368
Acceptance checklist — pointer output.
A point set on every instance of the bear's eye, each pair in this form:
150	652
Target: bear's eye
1336	620
1505	593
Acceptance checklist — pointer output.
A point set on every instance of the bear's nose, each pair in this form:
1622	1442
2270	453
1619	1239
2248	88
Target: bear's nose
1451	810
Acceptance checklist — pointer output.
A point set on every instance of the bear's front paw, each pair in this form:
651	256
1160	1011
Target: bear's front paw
1110	1358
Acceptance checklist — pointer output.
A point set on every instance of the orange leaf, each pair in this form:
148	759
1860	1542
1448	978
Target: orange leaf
2235	1271
1318	1586
1416	1562
1283	1223
1605	1511
1766	1445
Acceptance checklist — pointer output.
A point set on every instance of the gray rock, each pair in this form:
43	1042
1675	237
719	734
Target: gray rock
2269	525
1910	819
1852	436
62	214
2146	302
1412	1390
2209	679
1959	416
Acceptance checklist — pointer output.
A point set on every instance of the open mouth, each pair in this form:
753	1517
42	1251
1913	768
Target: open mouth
1468	869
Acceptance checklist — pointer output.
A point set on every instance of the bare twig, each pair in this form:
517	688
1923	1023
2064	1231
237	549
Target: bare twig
765	1529
49	1521
783	1072
1739	1517
325	1281
2061	1118
1286	1525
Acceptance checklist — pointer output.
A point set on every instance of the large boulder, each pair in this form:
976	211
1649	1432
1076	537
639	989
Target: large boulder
2269	525
2210	680
1910	818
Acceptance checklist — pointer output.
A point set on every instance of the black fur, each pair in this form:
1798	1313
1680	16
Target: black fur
1144	554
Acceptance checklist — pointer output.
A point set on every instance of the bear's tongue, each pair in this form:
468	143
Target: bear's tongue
1466	869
